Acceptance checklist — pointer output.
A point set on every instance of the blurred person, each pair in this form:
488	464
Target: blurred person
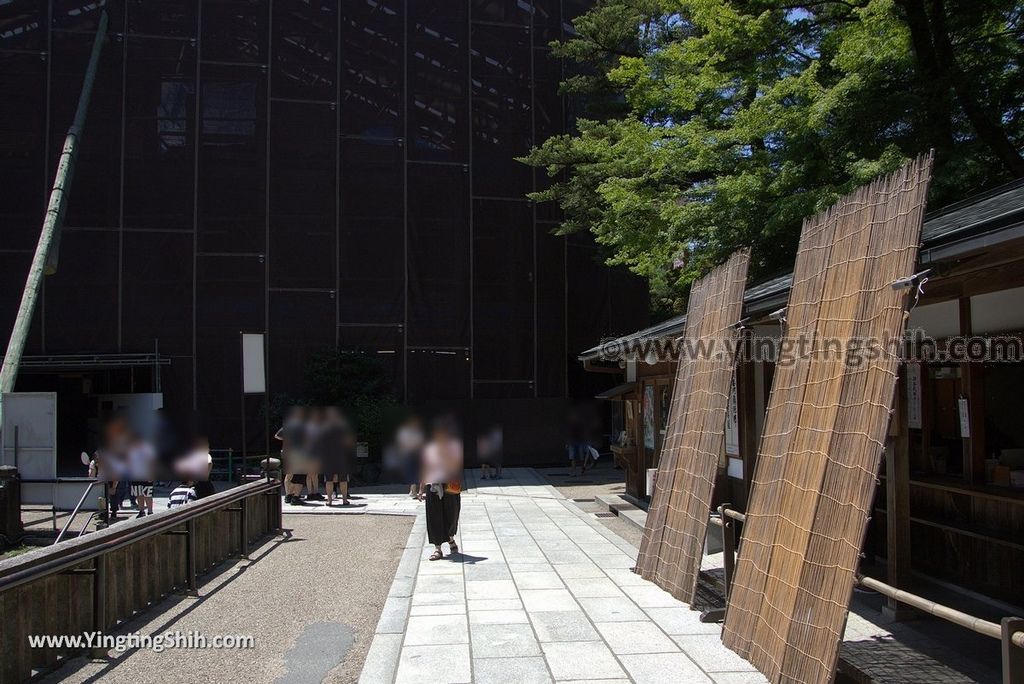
195	466
292	436
488	449
202	466
142	461
578	442
185	493
441	485
408	444
315	424
337	447
112	462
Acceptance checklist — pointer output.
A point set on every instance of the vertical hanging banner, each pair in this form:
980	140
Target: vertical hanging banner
825	428
914	395
673	541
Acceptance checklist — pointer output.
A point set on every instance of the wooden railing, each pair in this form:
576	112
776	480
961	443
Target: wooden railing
91	583
1010	631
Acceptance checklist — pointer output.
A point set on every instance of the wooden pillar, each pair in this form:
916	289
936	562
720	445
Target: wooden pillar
973	390
746	388
897	501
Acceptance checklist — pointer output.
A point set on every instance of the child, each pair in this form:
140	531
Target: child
183	494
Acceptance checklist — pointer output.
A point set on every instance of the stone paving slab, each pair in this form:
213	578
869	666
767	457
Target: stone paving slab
541	592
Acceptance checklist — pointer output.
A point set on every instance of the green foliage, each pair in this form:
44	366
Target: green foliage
721	123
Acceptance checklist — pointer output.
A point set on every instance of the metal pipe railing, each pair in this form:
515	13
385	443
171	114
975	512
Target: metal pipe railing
74	513
1010	632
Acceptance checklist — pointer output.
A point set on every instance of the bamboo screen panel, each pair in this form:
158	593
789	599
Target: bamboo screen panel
824	431
673	540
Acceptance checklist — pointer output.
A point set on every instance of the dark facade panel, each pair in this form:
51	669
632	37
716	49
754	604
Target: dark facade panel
518	12
438	88
23	25
157	293
301	325
235	31
303	195
502	110
438	374
230	300
22	146
305	49
81	299
503	290
232	182
160	107
167	18
553	355
439	256
372	74
95	202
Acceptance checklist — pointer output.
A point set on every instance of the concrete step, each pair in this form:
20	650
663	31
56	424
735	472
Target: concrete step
613	502
623	508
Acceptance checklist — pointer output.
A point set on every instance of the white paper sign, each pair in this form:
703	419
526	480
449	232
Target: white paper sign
914	395
735	468
254	380
965	417
732	424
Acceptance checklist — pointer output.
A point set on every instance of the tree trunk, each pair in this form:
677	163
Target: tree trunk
985	123
934	83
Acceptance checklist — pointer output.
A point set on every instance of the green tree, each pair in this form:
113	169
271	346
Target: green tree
712	124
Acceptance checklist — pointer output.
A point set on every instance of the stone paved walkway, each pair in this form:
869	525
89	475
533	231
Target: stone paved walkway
541	592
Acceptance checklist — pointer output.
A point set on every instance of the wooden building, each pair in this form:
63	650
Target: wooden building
950	502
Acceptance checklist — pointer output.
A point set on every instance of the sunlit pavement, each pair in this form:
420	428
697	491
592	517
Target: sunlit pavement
539	592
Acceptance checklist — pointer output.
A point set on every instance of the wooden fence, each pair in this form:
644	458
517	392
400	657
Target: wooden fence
92	583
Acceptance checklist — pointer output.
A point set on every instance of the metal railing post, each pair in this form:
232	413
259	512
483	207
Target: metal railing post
190	557
1013	655
243	529
74	513
99	602
728	547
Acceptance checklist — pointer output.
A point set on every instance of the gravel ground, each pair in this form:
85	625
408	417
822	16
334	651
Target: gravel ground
602	479
311	601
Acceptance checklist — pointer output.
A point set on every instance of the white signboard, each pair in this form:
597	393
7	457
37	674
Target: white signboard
732	424
914	395
254	380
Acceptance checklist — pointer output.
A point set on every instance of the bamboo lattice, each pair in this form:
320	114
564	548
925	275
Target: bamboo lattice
673	540
824	431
